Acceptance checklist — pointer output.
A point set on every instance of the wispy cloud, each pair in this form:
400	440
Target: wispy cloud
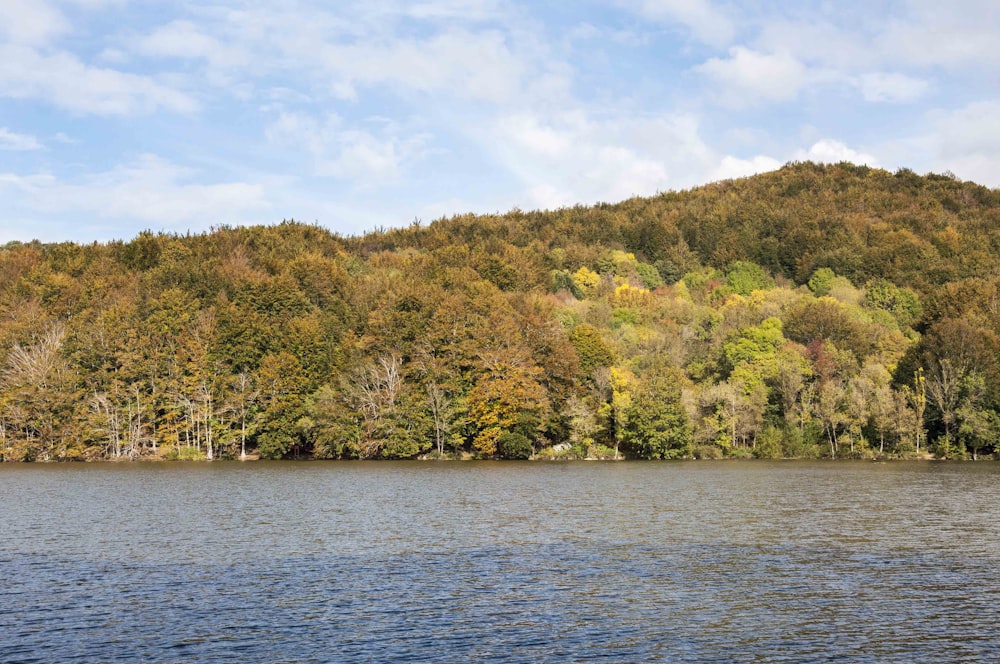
148	191
575	157
66	82
749	78
702	18
30	22
891	87
368	158
18	142
374	111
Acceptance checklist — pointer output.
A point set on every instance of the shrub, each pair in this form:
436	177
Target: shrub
178	453
513	445
707	452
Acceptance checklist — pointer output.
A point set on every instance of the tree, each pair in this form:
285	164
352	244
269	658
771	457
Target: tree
744	277
916	397
735	412
39	398
979	426
584	426
882	400
589	345
821	281
507	395
282	386
792	371
656	426
831	410
944	391
241	403
622	384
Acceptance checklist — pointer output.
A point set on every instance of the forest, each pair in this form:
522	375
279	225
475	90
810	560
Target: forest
816	311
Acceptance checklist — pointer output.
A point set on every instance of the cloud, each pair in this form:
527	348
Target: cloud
30	22
18	142
829	151
97	4
917	34
748	78
975	128
478	66
706	22
897	57
965	141
65	139
64	81
367	159
823	151
348	53
818	42
185	40
475	10
574	157
935	34
733	167
891	87
149	190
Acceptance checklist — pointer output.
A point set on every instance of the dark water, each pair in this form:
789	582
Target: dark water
323	562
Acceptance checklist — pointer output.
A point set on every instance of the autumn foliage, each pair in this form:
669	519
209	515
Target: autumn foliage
814	311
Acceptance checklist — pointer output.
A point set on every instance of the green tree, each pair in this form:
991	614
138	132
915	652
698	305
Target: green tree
656	426
744	277
590	347
283	386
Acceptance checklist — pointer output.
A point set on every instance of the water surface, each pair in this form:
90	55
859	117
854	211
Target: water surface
512	562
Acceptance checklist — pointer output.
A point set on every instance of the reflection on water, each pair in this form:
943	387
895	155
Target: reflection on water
706	562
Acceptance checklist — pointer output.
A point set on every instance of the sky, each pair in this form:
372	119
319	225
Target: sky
118	116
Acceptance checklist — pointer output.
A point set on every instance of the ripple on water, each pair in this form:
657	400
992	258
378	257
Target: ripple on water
625	562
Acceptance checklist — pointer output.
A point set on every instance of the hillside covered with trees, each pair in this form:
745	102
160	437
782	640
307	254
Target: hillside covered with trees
835	311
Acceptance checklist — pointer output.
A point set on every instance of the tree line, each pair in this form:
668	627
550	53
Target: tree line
834	311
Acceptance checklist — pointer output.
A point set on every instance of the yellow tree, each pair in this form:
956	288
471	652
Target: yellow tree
506	397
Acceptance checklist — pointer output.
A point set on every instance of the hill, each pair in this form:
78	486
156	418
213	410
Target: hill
816	310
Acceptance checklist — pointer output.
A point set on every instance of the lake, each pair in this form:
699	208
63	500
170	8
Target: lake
506	562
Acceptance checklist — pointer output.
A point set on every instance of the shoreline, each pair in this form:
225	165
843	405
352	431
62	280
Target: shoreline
145	460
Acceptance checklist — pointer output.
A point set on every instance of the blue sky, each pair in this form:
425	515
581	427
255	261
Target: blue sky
123	115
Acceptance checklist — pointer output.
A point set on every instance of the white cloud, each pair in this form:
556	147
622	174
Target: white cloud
899	56
467	65
30	184
891	87
829	151
97	4
917	34
476	10
937	34
149	190
733	167
972	129
31	22
19	142
63	80
965	141
706	22
818	42
185	40
575	158
748	78
113	56
367	159
346	54
65	139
